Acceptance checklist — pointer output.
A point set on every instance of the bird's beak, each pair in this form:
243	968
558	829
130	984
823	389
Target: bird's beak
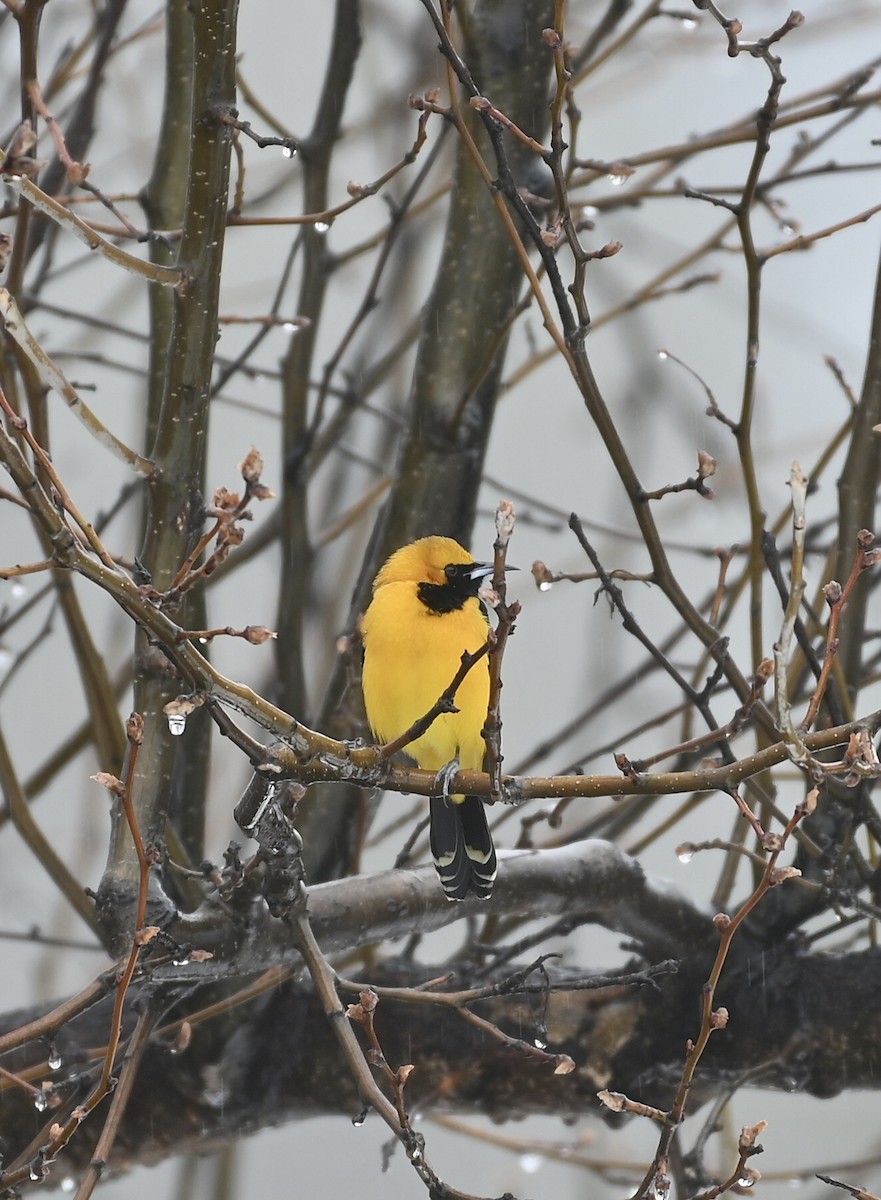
482	570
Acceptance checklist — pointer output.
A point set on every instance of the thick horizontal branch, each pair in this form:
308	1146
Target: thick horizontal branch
813	1026
592	881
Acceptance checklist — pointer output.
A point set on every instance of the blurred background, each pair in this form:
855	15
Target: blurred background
668	86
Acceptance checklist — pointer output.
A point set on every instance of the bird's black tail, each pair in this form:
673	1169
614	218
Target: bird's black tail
462	846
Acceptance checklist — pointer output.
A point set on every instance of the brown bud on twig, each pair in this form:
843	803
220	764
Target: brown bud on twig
23	140
490	597
749	1134
565	1065
781	874
223	500
134	729
78	173
616	1101
184	705
722	921
764	671
551	38
832	592
258	634
48	1097
356	1014
719	1018
110	782
706	464
608	251
625	766
809	804
543	576
18	156
505	517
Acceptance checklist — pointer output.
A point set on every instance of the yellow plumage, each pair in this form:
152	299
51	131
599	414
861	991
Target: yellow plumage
424	614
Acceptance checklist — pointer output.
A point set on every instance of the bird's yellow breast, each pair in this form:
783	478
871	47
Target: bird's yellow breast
411	655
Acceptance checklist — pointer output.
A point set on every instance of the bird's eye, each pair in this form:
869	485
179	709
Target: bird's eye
458	574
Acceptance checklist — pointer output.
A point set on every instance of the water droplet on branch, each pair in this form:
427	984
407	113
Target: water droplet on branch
177	723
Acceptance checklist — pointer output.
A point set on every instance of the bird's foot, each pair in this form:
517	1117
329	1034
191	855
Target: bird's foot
445	777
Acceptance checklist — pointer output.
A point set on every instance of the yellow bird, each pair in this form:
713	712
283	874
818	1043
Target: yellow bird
424	614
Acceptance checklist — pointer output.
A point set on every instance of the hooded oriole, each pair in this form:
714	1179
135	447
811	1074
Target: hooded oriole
424	614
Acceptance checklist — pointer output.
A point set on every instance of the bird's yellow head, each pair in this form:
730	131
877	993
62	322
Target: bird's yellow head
423	561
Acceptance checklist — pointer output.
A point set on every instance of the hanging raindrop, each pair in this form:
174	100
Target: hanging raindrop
177	723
